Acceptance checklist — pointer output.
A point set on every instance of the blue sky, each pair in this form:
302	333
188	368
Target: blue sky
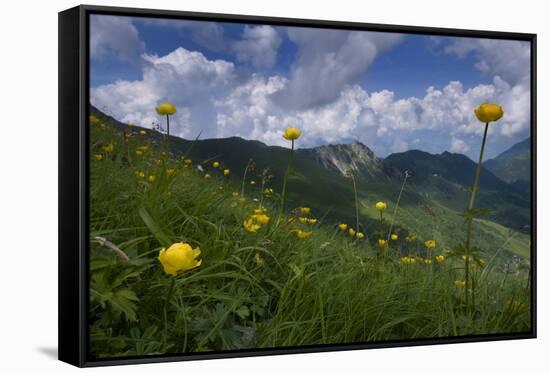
393	92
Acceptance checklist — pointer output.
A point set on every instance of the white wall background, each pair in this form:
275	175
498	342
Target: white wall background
28	184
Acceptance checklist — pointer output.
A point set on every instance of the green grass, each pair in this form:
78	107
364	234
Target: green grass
324	289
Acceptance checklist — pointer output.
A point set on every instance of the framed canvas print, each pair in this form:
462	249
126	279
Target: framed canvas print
237	186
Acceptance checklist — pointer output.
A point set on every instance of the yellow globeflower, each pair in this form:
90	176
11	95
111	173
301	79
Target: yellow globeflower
108	148
460	283
439	258
207	176
268	190
94	119
261	218
292	133
407	260
216	164
140	174
383	244
142	132
489	112
304	210
302	234
381	206
187	161
139	152
430	244
252	182
226	172
351	232
98	157
410	238
312	221
251	226
179	257
151	178
359	235
343	226
428	261
394	237
302	219
166	109
170	171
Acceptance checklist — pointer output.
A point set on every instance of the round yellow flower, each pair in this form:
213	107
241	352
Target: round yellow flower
216	164
170	171
489	112
251	226
268	190
383	244
351	232
179	257
98	157
302	234
166	109
410	238
304	210
226	172
430	244
260	210
359	235
252	182
94	119
460	283
142	132
312	221
207	176
439	258
428	261
139	152
108	148
343	226
140	174
261	218
381	206
187	161
394	237
292	133
151	178
407	260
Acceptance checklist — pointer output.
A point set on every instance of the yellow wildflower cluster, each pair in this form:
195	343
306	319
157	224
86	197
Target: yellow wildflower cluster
179	257
255	221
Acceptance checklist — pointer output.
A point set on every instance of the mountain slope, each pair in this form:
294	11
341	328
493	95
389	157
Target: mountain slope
429	207
513	165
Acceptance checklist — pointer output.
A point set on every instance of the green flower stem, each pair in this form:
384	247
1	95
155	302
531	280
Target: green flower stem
471	218
356	204
167	125
165	309
244	176
285	178
396	207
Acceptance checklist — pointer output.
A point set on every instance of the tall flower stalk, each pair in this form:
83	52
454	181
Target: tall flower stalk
486	113
244	176
356	202
407	175
166	109
291	134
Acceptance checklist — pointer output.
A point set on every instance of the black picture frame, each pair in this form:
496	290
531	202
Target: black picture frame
74	168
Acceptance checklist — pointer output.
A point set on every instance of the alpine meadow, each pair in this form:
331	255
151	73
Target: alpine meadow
260	187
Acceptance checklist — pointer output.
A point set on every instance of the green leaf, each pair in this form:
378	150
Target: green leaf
154	227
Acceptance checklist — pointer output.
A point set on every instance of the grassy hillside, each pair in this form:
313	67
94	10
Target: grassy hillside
273	287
